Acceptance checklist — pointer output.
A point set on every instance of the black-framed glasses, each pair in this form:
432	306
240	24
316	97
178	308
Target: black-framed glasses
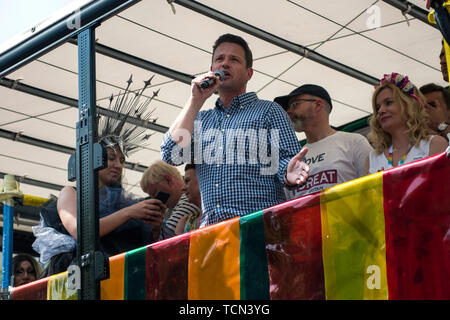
297	102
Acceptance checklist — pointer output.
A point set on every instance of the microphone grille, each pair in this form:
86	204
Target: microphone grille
220	74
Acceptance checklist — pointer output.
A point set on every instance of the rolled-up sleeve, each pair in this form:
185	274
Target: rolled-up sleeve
174	154
167	149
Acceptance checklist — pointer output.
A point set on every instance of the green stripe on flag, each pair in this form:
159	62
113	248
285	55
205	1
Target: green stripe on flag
253	258
135	261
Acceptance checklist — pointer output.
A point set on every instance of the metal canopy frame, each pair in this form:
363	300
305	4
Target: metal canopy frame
91	264
55	147
91	15
411	9
8	83
282	43
59	33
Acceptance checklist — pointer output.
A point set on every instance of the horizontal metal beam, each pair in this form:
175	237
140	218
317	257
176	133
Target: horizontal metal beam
8	83
23	240
141	63
55	147
411	9
56	34
36	183
275	40
15	136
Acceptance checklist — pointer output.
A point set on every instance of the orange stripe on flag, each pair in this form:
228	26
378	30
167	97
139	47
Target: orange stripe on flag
214	262
112	288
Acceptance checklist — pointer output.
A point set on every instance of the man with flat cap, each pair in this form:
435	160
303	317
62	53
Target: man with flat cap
334	157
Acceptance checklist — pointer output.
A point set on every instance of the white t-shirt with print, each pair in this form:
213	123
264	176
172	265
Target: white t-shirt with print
335	159
379	162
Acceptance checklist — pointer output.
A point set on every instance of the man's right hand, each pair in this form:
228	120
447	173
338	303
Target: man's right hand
183	127
200	95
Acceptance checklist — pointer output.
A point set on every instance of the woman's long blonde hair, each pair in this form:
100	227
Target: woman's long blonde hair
410	107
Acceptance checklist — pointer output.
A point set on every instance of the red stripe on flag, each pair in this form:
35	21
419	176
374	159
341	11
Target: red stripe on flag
417	215
294	249
36	290
167	269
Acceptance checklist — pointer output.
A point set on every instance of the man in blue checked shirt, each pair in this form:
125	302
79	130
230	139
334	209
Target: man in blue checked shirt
244	149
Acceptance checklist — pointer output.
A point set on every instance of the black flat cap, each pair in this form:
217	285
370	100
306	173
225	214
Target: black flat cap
311	89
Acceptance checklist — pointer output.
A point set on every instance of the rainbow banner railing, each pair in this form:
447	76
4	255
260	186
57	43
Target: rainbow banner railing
384	236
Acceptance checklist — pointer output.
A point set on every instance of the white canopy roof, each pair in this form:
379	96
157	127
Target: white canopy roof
339	30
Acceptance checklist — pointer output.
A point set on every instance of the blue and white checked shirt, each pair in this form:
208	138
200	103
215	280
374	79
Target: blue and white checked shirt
241	155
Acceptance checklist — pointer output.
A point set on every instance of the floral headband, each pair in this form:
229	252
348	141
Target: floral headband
402	82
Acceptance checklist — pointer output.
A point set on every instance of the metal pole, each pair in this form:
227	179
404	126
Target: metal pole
8	214
86	175
9	185
412	10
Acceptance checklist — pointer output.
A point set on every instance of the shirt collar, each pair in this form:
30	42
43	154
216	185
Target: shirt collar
240	100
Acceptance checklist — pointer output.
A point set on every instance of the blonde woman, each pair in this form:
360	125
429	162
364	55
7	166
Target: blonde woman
399	125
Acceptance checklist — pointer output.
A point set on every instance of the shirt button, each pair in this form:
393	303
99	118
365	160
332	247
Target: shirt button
218	166
217	185
218	206
223	130
228	115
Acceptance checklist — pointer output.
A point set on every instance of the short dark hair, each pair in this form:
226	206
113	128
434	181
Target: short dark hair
432	87
228	37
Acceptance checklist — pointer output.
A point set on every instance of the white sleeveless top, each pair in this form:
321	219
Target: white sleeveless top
379	162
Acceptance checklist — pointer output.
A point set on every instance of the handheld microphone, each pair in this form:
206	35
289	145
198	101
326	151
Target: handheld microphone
210	81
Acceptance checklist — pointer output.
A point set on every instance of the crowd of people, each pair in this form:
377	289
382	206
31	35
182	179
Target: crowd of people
243	156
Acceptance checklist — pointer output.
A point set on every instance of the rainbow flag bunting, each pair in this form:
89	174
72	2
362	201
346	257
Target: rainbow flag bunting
384	236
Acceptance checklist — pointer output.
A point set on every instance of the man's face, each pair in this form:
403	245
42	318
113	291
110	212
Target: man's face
444	68
301	110
437	109
230	58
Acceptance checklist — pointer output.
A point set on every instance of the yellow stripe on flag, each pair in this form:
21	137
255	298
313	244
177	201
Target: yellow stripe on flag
353	240
214	262
57	288
447	53
112	288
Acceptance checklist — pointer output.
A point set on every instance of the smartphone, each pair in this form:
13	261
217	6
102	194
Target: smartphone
162	196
